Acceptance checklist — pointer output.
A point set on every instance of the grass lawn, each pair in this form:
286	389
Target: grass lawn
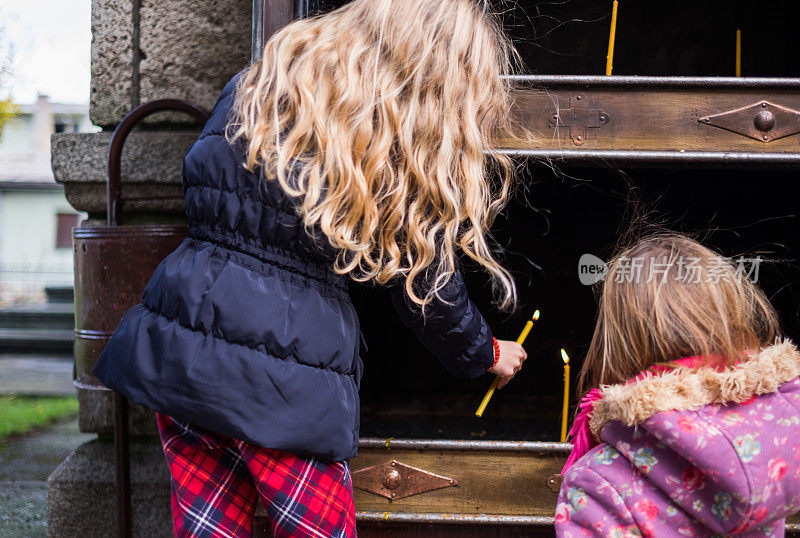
20	414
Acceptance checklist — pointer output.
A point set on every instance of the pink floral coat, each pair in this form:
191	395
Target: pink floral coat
692	452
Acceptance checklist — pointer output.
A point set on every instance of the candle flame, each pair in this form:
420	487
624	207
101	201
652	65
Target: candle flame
535	315
564	356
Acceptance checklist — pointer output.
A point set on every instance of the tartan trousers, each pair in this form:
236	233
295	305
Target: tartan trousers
216	482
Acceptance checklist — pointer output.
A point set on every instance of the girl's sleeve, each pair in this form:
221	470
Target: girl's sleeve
588	505
453	328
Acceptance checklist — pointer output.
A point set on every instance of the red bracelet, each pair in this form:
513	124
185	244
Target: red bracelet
496	352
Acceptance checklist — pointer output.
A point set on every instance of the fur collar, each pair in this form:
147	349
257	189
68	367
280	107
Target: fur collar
685	389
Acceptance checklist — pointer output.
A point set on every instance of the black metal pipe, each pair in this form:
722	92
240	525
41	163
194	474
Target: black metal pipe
660	159
529	447
474	519
114	188
301	9
257	30
123	456
453	519
547	81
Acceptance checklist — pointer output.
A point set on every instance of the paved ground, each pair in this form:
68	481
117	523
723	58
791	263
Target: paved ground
36	375
26	461
25	464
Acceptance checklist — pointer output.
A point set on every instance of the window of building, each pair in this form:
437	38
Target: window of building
64	224
67	124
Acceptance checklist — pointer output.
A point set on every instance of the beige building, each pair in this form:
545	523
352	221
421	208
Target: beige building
35	218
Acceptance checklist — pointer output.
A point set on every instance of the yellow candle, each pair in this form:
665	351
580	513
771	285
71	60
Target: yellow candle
565	411
520	340
525	331
738	53
611	37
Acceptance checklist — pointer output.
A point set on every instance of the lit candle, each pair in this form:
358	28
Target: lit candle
611	37
565	411
520	340
738	53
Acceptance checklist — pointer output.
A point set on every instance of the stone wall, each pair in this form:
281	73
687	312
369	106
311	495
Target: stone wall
152	49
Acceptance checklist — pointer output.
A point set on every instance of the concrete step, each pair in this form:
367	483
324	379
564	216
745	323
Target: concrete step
50	341
60	294
82	492
45	316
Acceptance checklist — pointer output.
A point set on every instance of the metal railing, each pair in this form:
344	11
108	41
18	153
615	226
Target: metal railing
22	283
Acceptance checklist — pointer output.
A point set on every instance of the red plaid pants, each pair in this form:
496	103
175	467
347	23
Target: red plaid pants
216	481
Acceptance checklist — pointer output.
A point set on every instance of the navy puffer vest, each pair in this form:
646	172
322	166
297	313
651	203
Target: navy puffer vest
246	330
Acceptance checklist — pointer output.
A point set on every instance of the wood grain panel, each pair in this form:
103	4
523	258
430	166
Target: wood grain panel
647	118
507	483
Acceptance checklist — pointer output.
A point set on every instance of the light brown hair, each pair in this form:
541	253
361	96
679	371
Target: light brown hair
668	297
387	114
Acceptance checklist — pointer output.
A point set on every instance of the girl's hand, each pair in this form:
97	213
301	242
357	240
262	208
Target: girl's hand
512	355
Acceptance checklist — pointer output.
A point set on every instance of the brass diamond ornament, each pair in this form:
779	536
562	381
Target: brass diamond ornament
763	121
395	480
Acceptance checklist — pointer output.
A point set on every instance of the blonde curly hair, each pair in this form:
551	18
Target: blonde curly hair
388	114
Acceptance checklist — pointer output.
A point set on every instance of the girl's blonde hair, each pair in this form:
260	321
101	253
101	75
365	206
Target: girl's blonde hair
669	297
381	117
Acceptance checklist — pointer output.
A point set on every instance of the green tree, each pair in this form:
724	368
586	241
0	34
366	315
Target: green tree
7	108
7	111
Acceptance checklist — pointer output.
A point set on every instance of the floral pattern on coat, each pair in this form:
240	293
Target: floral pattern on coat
719	470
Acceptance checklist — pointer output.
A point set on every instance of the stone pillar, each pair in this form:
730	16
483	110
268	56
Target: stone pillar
151	173
141	50
152	49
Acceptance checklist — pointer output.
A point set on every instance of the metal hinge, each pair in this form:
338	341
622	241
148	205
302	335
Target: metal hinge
578	118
